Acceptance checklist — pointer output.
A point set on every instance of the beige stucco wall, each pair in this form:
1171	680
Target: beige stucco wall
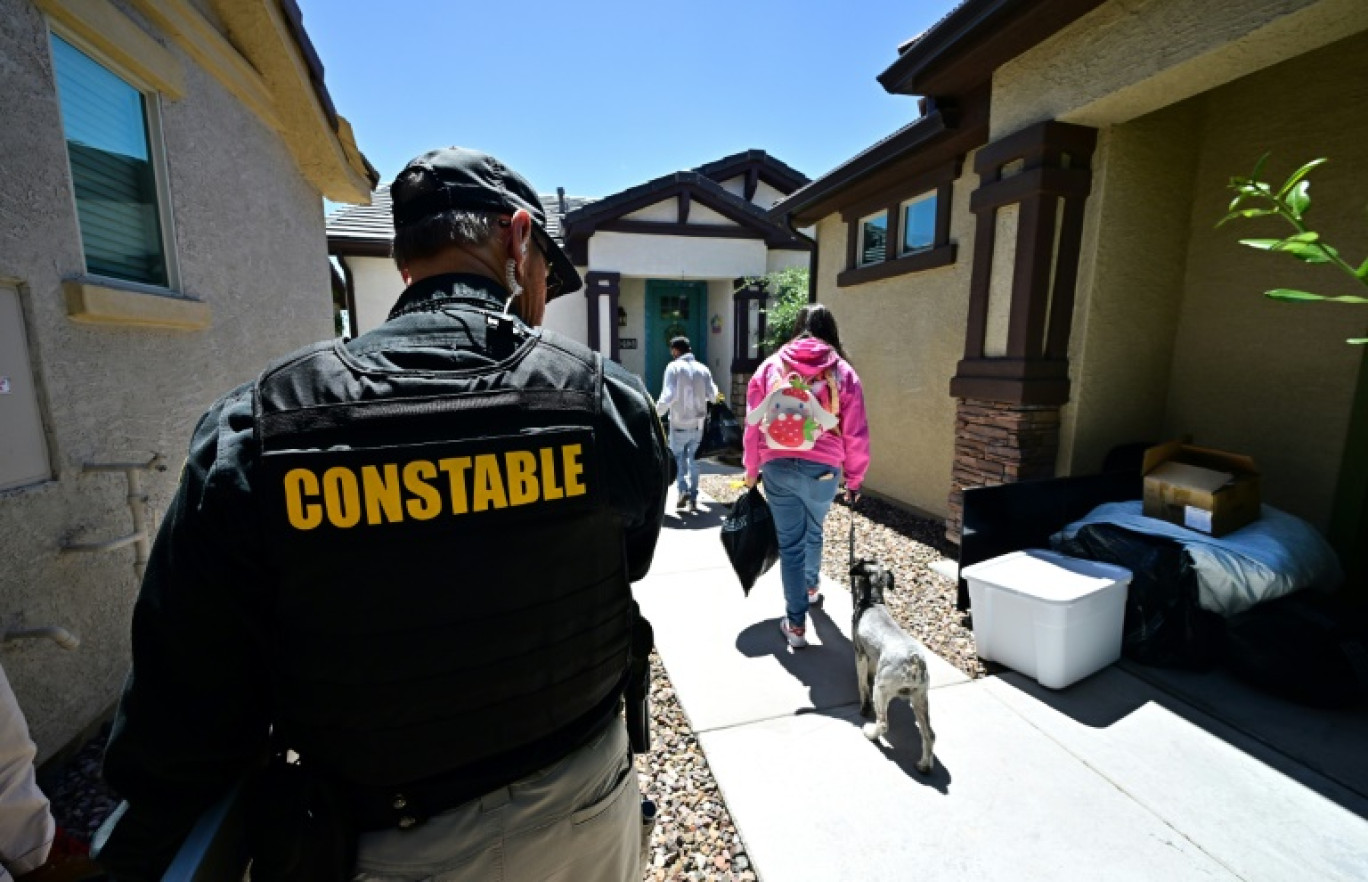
1275	379
250	243
1130	285
1130	57
905	336
1172	336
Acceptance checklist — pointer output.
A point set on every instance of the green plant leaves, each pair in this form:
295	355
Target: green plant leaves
1296	175
1247	212
1306	247
1291	202
1292	295
1298	199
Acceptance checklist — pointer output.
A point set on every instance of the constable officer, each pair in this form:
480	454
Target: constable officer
406	560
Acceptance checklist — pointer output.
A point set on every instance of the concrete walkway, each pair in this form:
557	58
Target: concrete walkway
1111	779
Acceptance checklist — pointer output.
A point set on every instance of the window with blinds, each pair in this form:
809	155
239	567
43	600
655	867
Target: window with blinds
106	124
873	238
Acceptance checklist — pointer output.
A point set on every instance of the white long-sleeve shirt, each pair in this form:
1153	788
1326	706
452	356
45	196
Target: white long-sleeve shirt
687	390
26	824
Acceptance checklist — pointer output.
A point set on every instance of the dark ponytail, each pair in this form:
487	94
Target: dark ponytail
815	320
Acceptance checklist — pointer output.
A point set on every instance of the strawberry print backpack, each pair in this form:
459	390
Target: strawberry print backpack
791	417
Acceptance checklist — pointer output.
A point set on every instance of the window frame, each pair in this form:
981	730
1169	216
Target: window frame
940	181
157	157
745	292
903	206
45	442
861	225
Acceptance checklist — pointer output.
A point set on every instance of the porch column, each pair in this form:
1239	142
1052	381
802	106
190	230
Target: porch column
601	289
1015	373
744	362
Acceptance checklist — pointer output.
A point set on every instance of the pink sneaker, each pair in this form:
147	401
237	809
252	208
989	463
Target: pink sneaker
794	635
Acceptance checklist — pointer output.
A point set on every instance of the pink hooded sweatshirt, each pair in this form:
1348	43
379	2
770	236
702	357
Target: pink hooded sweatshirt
847	446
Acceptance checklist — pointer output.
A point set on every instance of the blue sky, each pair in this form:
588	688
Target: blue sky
600	96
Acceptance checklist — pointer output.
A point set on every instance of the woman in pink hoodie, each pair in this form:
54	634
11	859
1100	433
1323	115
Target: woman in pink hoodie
806	433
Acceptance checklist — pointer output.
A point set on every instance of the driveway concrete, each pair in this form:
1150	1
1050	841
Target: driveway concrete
1114	778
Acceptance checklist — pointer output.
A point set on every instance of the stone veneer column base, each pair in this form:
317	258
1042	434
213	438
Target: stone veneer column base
999	443
737	396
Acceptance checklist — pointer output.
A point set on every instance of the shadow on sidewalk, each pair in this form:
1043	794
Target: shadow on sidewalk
828	672
1308	745
708	516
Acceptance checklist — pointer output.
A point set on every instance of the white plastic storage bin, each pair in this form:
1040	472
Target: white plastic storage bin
1049	616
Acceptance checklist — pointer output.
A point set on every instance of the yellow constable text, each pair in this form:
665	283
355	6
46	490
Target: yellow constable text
422	489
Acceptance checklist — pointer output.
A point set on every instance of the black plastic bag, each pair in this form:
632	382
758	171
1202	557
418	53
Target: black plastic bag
1304	648
749	538
721	433
1165	626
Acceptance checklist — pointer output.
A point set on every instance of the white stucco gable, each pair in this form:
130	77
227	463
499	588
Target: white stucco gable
765	195
679	257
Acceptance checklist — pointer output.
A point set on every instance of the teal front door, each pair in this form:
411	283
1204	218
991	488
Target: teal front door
673	309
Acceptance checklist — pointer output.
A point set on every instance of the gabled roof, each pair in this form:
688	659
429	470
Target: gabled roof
751	221
755	165
368	230
963	49
871	159
942	133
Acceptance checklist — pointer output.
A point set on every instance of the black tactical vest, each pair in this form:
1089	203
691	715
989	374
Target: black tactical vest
452	581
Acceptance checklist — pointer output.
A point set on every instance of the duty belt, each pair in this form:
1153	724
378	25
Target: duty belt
410	805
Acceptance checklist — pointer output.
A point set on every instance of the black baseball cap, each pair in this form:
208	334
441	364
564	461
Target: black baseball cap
455	178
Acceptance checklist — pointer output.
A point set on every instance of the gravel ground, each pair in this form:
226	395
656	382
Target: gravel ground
695	838
80	799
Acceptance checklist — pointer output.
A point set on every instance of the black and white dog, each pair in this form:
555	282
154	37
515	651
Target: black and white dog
889	663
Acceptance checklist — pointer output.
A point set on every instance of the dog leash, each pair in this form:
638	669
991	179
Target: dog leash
850	569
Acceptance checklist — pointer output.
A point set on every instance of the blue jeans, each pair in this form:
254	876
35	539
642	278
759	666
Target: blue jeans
683	444
799	493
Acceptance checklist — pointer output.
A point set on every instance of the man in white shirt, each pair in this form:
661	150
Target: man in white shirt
688	388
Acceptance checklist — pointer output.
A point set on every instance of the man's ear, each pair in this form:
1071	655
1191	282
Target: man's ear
520	236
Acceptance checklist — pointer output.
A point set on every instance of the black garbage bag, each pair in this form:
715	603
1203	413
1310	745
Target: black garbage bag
1165	626
721	433
749	538
1302	647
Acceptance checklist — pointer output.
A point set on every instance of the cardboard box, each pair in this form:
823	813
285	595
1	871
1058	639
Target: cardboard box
1206	490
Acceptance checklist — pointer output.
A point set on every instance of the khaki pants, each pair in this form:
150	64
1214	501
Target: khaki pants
578	820
26	825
